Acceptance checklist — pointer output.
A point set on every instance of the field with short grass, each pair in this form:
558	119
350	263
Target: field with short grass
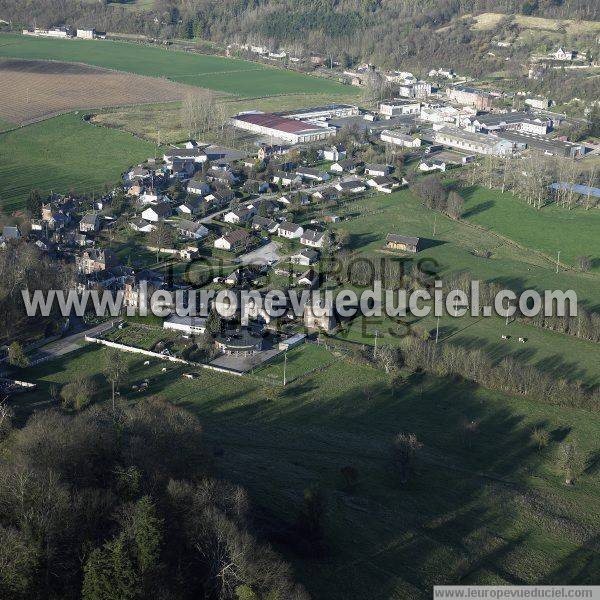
551	229
489	508
238	77
487	21
64	153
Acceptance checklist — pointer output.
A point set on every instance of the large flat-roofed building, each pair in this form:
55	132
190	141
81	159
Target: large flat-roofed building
541	143
393	108
283	128
329	111
513	121
479	143
467	95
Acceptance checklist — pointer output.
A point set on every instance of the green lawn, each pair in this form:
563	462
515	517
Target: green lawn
574	232
370	219
64	153
489	510
239	77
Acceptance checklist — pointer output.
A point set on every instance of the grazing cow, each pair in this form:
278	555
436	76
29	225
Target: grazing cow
522	340
504	337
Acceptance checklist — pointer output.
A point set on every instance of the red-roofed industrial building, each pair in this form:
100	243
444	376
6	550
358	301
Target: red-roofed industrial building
290	130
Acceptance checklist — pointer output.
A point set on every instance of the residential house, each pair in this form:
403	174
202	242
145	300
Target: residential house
305	257
312	174
220	197
290	230
286	179
394	108
157	213
198	186
240	215
378	170
192	206
385	183
90	223
264	224
432	164
95	260
10	232
402	242
334	153
329	194
353	186
141	225
346	166
312	238
191	229
319	313
267	151
309	278
234	240
139	287
253	186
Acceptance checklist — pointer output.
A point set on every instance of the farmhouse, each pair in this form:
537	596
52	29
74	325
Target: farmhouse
473	142
290	230
233	240
467	95
402	242
312	238
157	212
191	229
290	130
192	206
400	139
394	108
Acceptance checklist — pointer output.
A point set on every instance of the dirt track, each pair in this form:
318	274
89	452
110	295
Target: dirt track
34	89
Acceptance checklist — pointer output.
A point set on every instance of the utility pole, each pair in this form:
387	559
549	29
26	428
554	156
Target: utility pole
375	349
434	223
437	330
558	261
284	369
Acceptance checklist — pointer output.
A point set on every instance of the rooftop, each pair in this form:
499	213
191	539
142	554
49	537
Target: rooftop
277	122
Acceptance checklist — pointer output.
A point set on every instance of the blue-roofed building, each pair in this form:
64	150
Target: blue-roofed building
583	190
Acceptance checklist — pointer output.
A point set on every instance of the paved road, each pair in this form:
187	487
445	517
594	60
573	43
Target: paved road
67	344
262	255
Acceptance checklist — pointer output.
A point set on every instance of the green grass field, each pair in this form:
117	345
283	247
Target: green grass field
492	509
64	153
238	77
574	232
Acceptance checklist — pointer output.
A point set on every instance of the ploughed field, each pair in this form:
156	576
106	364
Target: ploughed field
35	89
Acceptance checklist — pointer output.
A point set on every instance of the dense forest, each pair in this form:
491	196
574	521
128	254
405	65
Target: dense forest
120	504
388	32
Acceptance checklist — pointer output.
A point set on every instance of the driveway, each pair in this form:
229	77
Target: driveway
262	255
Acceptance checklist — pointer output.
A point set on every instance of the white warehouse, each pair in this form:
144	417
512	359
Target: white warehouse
290	130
